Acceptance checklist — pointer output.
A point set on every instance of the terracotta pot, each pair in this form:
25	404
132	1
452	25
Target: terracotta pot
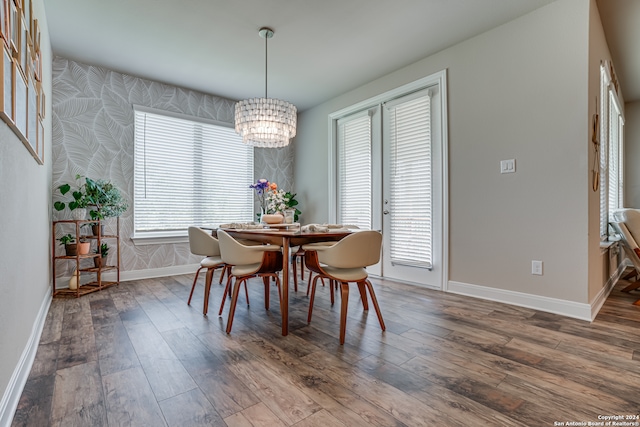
71	249
84	248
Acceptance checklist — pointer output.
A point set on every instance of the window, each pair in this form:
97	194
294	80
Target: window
611	150
188	171
354	164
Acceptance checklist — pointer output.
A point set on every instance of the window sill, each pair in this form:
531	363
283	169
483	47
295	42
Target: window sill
160	238
607	245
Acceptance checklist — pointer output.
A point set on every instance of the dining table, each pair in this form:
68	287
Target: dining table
286	237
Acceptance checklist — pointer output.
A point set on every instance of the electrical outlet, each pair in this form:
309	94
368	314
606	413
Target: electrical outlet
536	268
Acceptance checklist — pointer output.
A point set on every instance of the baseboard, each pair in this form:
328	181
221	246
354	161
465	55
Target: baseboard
549	305
150	273
14	389
599	300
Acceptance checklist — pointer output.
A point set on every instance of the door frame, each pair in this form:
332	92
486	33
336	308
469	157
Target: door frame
439	78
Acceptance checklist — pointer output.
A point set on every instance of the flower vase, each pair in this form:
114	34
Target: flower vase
275	218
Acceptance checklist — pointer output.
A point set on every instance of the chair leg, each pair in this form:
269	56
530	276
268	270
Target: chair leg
195	279
374	300
225	269
363	295
312	298
343	310
266	280
331	286
294	265
234	300
207	290
227	289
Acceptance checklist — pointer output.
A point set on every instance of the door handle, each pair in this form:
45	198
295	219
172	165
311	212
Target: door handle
386	212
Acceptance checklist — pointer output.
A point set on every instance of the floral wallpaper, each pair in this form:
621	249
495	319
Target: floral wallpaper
93	129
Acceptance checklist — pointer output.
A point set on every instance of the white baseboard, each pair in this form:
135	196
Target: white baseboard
551	305
14	389
599	300
149	273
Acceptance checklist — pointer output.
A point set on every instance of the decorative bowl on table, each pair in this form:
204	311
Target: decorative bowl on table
272	218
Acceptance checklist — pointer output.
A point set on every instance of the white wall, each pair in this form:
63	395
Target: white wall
518	91
25	192
632	154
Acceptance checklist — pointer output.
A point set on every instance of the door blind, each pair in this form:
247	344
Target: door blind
354	170
189	172
410	205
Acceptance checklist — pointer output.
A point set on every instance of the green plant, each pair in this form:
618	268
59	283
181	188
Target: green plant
67	239
100	193
103	250
80	197
107	199
291	202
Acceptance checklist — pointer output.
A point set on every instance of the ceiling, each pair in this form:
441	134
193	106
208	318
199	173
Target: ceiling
621	22
321	48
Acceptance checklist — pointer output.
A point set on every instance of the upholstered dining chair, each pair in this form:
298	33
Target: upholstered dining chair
344	263
263	261
203	243
626	222
298	257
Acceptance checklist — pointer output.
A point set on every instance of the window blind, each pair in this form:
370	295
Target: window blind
614	155
409	121
354	170
604	152
188	172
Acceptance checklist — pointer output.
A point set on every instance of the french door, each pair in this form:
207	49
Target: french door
390	177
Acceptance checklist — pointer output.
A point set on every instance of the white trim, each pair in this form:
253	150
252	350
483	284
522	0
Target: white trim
551	305
438	78
599	300
143	239
18	379
175	115
151	273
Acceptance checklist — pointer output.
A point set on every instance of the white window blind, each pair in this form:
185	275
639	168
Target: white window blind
354	170
188	172
604	151
410	180
615	166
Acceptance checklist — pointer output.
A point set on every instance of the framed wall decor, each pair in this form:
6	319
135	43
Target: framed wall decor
14	42
41	101
20	101
40	141
3	20
6	100
24	46
26	12
32	113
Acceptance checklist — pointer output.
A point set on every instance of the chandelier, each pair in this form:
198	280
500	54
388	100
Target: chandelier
266	122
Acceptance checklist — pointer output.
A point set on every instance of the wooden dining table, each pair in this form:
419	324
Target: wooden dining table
286	238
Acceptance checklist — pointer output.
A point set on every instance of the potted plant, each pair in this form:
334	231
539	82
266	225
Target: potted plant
70	247
78	205
106	198
103	251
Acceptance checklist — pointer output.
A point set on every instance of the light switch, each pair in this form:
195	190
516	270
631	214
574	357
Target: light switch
508	166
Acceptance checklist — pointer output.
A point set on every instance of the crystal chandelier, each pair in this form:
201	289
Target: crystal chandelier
266	122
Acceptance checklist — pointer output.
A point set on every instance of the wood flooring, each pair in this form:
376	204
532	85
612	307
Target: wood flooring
138	355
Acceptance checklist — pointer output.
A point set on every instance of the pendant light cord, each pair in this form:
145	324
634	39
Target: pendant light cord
266	55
